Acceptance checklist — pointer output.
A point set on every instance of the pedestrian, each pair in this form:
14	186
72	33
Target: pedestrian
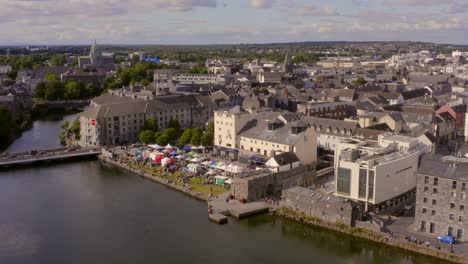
227	200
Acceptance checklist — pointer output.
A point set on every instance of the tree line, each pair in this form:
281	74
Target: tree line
54	89
173	133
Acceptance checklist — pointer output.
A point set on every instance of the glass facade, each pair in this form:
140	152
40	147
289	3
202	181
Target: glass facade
362	183
371	184
343	185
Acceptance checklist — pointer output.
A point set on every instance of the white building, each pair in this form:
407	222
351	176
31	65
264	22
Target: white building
375	172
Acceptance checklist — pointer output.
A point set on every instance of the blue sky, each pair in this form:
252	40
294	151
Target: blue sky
230	21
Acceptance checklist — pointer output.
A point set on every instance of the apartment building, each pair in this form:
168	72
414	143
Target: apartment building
114	119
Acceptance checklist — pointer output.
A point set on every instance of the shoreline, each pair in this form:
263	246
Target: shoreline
198	196
357	232
370	235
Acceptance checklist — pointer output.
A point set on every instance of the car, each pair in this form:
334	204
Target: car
33	152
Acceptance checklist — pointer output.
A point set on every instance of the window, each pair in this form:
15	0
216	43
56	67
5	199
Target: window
454	184
460	218
454	194
463	196
434	190
433	212
371	184
451	216
424	200
424	210
463	188
343	184
426	179
362	183
462	207
436	181
434	201
452	205
426	188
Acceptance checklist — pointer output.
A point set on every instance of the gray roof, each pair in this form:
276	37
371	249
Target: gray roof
434	165
285	158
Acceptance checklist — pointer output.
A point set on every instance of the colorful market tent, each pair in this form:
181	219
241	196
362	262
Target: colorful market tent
159	158
168	146
156	146
187	148
220	180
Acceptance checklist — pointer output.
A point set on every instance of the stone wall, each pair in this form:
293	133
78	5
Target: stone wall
266	183
323	206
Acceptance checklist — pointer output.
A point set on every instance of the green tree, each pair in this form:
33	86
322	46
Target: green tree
151	124
207	139
196	136
76	128
12	75
174	123
186	137
40	90
147	137
54	90
210	127
162	140
170	134
74	90
51	77
58	60
199	68
6	126
92	90
360	81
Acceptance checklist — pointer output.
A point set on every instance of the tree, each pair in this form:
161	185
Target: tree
40	90
186	137
74	90
174	123
170	134
162	140
147	137
12	75
207	138
92	89
199	68
151	124
58	60
51	77
196	136
54	90
210	127
6	126
360	81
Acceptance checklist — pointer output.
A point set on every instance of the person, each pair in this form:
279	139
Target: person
227	200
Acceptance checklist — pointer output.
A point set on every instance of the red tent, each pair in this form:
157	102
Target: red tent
159	158
171	161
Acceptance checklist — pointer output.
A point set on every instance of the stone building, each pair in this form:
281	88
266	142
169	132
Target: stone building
96	58
441	196
317	204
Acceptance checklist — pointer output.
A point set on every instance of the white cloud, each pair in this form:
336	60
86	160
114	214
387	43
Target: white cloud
261	4
417	2
457	8
309	10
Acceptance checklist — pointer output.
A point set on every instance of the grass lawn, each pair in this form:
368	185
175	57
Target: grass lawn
198	185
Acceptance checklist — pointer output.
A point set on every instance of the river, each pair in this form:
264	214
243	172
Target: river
87	212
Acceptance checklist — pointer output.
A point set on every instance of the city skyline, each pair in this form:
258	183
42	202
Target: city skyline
182	22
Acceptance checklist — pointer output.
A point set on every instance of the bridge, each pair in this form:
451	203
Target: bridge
34	156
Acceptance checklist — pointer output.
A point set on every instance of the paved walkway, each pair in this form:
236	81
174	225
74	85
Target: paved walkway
403	226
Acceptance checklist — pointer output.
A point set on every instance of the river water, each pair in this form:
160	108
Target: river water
87	212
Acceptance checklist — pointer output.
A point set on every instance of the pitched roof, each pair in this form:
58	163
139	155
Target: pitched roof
285	158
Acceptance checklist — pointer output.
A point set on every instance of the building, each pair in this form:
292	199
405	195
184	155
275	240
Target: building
330	132
198	79
242	134
441	196
332	110
114	119
96	58
219	66
458	111
86	77
372	173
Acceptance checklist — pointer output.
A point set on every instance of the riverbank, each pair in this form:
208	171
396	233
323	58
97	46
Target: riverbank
160	180
368	234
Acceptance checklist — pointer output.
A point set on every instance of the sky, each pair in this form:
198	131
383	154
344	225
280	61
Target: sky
57	22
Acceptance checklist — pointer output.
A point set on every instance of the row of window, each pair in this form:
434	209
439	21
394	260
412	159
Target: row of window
452	205
435	182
